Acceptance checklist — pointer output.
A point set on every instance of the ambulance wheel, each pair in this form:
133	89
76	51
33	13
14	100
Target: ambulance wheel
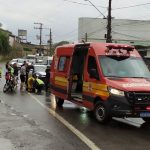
147	120
101	112
59	102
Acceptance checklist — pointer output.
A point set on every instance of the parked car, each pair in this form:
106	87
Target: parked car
13	61
47	61
20	62
39	70
30	61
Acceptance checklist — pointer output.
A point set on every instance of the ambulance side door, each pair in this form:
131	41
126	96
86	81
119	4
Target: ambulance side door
91	77
61	75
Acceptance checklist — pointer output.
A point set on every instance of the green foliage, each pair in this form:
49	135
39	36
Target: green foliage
60	43
27	49
4	44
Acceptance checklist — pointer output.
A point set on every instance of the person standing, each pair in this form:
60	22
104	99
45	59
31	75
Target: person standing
15	69
7	65
27	73
22	76
15	73
47	79
0	72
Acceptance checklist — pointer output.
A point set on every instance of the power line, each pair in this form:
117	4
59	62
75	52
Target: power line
96	8
131	6
82	3
130	36
91	33
113	9
76	29
40	28
137	5
136	22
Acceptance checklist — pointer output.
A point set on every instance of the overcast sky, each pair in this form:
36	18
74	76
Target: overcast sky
62	15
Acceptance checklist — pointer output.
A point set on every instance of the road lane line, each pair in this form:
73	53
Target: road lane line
80	135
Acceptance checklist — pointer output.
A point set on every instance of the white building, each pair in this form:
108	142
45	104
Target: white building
133	32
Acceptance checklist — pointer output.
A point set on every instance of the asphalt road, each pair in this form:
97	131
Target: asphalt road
119	134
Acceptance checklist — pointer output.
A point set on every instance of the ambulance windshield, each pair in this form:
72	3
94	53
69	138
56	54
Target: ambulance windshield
129	67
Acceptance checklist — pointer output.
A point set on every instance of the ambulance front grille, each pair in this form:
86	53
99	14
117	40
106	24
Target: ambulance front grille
138	97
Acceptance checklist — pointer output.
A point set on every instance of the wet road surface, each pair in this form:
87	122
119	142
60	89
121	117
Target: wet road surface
119	134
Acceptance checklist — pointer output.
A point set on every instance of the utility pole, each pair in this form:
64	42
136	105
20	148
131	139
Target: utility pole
86	37
108	36
40	28
49	52
50	42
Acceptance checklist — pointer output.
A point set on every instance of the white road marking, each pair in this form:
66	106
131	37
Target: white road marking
80	135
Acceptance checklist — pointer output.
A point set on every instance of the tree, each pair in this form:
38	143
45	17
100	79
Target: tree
60	43
4	44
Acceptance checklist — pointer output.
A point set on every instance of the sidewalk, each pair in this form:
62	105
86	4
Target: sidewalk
18	132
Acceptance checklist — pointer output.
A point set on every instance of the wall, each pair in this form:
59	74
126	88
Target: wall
134	32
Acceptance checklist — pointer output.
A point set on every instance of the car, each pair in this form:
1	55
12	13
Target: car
39	70
47	61
20	62
30	61
13	61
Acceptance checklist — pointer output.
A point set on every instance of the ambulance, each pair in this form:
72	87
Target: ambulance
110	79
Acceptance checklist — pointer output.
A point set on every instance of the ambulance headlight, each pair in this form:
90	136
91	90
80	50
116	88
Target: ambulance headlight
115	91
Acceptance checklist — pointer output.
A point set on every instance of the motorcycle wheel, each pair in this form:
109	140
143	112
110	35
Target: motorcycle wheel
5	88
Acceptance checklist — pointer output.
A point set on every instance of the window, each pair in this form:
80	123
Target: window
62	62
129	67
92	68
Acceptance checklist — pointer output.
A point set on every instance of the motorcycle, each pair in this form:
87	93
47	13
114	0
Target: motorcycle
10	84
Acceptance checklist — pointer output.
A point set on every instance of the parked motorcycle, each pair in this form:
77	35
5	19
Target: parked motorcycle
10	84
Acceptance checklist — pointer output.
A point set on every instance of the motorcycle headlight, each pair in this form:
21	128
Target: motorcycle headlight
116	91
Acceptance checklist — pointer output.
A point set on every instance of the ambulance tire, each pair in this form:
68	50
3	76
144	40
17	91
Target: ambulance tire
59	102
101	112
147	120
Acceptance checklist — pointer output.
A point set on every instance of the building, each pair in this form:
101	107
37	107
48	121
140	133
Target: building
12	38
133	32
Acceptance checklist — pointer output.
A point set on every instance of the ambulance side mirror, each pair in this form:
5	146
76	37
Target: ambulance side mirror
94	74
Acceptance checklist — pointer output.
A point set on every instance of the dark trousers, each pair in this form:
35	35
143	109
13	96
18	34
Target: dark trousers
47	85
39	87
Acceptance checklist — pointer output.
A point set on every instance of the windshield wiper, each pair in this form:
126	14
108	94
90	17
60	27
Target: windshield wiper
138	77
114	76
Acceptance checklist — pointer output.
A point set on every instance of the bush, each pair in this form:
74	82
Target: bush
4	44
